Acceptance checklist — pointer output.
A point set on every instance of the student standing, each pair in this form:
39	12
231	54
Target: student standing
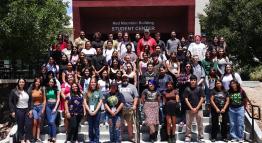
171	100
53	99
150	100
92	103
219	103
39	102
194	98
114	102
74	111
20	104
238	100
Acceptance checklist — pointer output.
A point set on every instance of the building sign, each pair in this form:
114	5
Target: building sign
130	26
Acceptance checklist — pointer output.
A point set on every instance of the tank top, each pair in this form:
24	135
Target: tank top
143	66
37	96
172	98
112	74
174	66
131	78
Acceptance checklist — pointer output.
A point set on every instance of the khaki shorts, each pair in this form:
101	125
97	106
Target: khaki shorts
128	115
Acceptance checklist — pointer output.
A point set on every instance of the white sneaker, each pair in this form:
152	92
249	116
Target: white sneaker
187	139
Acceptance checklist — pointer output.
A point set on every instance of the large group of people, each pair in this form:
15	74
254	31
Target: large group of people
110	81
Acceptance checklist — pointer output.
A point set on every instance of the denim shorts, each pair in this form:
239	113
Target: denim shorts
37	111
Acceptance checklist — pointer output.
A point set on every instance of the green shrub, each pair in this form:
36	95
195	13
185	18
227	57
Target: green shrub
256	74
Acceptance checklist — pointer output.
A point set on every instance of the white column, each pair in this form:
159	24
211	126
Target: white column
200	6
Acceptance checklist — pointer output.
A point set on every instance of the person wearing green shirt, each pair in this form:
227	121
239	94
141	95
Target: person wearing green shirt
92	104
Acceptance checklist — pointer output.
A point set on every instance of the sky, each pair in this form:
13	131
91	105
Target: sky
69	11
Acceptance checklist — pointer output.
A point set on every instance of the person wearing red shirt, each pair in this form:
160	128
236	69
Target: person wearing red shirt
146	40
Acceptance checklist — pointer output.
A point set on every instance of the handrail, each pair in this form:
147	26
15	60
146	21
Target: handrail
253	117
137	123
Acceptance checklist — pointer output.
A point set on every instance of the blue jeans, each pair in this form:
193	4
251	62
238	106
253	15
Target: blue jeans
51	117
236	118
37	111
93	124
114	128
24	124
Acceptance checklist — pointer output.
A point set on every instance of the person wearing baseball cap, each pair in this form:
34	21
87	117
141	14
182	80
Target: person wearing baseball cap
146	40
131	96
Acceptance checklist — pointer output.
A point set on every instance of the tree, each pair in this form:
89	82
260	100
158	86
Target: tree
28	27
240	22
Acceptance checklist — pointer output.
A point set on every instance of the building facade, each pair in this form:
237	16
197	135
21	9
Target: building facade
135	15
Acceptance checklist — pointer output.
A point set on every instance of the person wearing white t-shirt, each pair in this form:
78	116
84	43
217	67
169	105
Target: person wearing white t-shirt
20	106
230	75
68	49
108	51
198	48
88	50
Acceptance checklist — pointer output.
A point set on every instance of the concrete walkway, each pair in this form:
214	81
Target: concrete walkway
254	93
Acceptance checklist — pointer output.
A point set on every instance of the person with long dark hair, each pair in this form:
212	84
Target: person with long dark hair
222	60
52	66
219	103
171	100
20	105
65	93
183	82
85	78
237	103
150	101
92	104
74	111
114	68
53	99
173	65
230	75
39	103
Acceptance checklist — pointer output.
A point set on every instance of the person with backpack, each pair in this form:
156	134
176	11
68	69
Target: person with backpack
237	103
194	98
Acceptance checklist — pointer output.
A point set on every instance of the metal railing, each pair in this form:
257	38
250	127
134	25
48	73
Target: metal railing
253	117
14	71
137	114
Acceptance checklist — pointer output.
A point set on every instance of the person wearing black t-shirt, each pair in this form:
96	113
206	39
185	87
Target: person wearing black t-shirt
194	98
219	103
114	102
238	100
